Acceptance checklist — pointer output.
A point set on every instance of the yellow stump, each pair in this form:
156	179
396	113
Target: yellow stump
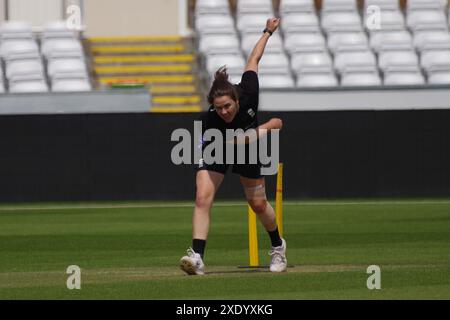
279	199
252	238
252	227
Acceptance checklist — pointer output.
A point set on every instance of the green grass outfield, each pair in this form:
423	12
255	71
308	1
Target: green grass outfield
131	251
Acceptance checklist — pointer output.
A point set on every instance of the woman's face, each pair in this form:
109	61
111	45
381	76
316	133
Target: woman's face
226	107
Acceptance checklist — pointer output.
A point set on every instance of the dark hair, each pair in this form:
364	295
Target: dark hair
221	86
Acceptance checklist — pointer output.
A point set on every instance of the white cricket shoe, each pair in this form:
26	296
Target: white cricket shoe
278	261
192	264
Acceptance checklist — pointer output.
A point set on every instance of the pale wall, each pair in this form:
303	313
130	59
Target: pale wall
131	17
2	10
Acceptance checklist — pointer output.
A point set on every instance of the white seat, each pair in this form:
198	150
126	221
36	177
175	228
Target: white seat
62	48
219	44
433	61
391	40
390	20
432	40
19	49
249	40
70	84
308	80
358	79
217	23
16	30
274	63
359	61
439	78
235	63
254	6
57	29
304	42
275	81
383	4
424	5
249	23
66	66
341	22
212	7
312	62
403	78
26	83
348	41
426	20
24	67
301	22
390	61
294	6
339	5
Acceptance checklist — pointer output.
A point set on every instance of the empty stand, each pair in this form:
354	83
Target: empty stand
308	80
358	79
30	67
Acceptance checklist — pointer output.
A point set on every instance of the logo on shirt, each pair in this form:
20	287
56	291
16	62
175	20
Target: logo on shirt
251	113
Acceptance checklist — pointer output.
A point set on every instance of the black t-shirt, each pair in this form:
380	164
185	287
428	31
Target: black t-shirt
246	117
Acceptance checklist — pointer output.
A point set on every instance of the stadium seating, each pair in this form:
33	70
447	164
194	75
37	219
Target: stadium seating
432	40
394	40
338	45
274	63
215	24
300	22
219	44
245	7
312	62
359	61
338	5
30	67
390	20
435	61
296	6
275	81
341	22
70	82
418	5
384	5
427	20
343	41
439	78
355	79
304	42
305	80
211	7
404	78
28	83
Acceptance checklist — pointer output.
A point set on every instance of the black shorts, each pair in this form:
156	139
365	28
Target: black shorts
251	171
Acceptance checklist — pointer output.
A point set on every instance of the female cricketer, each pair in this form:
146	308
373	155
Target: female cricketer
235	107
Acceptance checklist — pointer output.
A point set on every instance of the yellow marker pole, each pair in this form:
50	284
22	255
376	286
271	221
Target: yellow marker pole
279	199
252	238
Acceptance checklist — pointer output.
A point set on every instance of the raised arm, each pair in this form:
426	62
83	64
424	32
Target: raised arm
257	52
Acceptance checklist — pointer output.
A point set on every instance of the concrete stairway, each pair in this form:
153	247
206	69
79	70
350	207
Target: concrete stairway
165	65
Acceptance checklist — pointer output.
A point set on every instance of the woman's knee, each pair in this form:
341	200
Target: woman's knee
203	199
258	206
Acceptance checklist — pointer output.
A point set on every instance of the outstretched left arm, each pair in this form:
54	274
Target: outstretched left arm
258	51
